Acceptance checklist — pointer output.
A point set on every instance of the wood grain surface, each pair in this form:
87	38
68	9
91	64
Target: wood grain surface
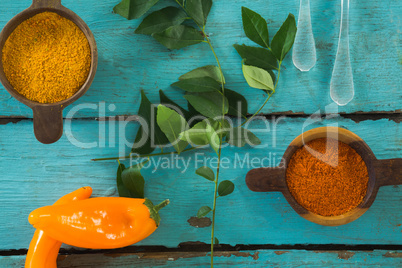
261	258
37	175
130	62
34	175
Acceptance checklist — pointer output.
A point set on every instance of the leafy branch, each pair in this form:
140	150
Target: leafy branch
209	102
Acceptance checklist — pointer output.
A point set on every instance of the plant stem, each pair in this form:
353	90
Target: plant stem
259	110
144	155
182	6
162	205
268	97
214	205
217	61
279	74
220	146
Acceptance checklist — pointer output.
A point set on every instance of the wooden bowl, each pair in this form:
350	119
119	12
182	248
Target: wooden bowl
48	118
381	173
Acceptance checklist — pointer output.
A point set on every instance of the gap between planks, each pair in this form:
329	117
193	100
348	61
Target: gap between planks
200	247
357	117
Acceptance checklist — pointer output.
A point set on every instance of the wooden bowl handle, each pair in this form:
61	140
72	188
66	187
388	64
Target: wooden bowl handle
389	171
46	3
267	179
48	123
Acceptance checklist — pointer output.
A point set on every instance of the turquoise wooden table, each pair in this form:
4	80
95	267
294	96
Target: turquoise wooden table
254	229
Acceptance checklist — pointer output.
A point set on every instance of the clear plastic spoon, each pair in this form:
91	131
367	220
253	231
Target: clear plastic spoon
304	54
341	87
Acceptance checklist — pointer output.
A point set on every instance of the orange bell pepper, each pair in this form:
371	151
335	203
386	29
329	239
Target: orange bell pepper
43	250
100	222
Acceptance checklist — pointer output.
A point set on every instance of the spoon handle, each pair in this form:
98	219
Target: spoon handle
341	87
46	3
266	179
389	171
304	53
48	123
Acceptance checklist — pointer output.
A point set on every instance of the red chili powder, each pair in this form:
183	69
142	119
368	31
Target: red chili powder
331	180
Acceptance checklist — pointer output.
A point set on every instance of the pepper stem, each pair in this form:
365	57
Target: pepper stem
162	205
153	210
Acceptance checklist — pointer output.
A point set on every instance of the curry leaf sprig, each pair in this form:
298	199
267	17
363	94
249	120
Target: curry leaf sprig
210	104
259	62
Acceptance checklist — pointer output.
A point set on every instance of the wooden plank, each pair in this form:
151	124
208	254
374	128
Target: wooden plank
34	175
129	62
260	258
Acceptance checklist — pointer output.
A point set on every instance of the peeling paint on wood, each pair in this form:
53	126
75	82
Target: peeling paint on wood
61	257
200	222
237	254
5	121
167	256
342	254
280	252
246	259
392	254
173	256
345	255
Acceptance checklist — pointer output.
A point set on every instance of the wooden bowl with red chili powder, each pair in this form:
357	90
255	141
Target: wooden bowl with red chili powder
48	59
328	175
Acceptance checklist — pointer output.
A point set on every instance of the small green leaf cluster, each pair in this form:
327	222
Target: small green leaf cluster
259	62
130	182
224	188
166	25
202	123
169	125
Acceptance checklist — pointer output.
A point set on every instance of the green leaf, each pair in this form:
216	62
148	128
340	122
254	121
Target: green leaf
152	133
148	112
160	20
171	104
284	38
205	71
239	136
203	133
179	36
123	191
216	241
217	125
188	115
199	10
203	211
193	113
145	147
225	188
133	9
258	78
206	172
257	56
196	135
172	124
213	138
237	103
133	180
271	73
255	27
208	104
202	84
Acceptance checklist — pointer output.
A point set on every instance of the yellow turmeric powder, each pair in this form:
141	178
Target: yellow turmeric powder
47	58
